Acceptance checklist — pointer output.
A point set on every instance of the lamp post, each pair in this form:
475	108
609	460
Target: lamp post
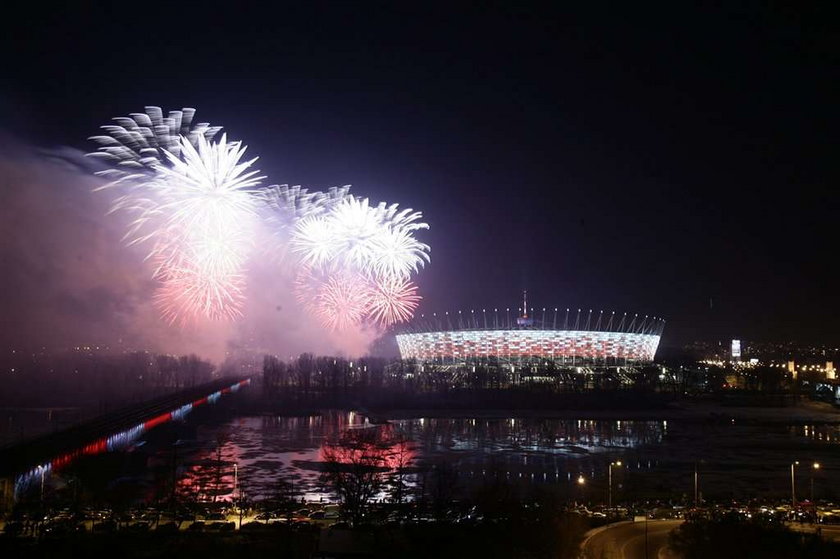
237	495
696	485
813	471
793	483
240	511
616	463
581	481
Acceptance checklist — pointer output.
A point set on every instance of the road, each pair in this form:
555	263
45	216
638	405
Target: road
830	532
626	540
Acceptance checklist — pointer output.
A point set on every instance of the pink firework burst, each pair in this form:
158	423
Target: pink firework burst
307	287
342	302
187	292
392	300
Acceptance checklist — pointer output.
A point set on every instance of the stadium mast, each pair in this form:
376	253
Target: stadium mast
524	320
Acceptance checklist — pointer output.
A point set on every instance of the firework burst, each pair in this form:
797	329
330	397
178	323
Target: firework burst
342	302
373	245
374	240
392	300
210	197
290	204
135	144
195	202
398	253
186	293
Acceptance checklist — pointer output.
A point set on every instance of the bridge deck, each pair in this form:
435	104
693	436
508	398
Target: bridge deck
19	457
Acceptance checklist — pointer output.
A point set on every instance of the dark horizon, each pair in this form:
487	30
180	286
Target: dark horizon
673	161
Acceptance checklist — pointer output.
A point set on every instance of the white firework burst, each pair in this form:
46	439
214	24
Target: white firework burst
211	196
315	241
373	240
355	226
290	204
193	201
134	144
398	253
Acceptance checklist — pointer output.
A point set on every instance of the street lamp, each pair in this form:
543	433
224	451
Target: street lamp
237	491
616	463
793	484
235	477
813	471
581	481
696	485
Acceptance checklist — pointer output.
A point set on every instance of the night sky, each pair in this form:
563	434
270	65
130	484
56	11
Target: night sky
670	161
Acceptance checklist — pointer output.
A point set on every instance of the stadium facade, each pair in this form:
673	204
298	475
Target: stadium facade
560	337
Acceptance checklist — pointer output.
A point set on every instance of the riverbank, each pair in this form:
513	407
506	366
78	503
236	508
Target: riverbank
805	412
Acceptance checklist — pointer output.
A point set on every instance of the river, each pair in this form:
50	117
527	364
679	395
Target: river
734	459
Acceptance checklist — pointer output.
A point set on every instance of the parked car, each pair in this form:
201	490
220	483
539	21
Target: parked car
13	528
105	526
168	527
139	527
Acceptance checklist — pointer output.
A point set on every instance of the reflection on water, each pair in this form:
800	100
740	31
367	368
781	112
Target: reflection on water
659	457
820	433
262	456
264	450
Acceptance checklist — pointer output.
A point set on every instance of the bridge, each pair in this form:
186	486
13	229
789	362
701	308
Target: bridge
30	461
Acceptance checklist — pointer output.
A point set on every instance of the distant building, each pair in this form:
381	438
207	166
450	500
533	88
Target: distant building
736	350
564	338
830	371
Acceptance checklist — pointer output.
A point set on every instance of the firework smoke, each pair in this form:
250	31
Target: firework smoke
357	260
195	202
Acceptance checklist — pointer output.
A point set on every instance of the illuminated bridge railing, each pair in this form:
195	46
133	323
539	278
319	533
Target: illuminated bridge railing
121	439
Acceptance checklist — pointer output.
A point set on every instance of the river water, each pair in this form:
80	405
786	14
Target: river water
658	458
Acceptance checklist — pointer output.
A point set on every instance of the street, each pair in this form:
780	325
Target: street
626	540
829	532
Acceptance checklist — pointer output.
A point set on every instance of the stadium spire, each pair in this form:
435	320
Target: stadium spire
524	320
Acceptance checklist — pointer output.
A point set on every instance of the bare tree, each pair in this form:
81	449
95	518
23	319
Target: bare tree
400	458
285	494
356	468
442	487
221	439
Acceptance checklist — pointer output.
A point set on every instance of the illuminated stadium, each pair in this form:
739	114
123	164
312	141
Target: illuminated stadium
561	337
